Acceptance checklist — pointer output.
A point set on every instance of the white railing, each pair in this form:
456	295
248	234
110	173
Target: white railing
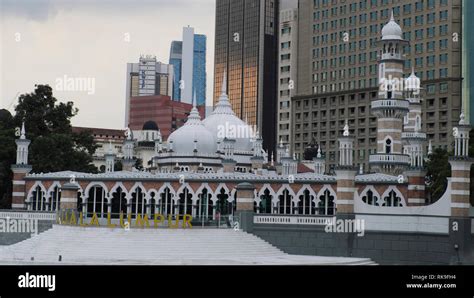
390	103
413	135
293	220
28	215
389	158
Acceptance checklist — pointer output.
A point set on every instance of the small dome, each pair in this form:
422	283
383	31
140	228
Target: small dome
392	31
193	135
413	82
150	125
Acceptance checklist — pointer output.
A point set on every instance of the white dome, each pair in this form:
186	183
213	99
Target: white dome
412	82
392	30
184	137
223	123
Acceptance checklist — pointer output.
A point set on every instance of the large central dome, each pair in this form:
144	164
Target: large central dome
223	123
193	135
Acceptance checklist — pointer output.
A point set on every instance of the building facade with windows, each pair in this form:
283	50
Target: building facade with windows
148	77
246	44
287	59
337	75
188	58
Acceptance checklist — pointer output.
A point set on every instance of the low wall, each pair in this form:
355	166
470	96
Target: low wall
45	222
388	240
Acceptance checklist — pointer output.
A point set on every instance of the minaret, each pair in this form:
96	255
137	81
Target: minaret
20	170
128	161
257	158
110	160
319	163
345	174
390	107
414	141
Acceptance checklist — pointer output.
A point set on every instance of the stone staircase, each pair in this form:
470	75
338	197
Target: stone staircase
96	245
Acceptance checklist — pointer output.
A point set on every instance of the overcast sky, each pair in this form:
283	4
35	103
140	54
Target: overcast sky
43	40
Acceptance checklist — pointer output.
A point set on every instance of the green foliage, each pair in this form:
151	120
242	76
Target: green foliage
7	157
438	169
54	146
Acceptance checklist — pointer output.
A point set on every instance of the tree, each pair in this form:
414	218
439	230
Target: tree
54	146
438	169
7	157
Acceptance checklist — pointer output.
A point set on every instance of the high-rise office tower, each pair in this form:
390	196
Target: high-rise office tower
246	44
287	64
148	77
468	59
337	75
188	58
176	58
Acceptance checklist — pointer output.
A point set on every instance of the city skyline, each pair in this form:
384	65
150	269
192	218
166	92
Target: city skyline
62	57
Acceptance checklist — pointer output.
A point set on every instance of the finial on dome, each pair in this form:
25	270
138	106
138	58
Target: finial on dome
23	132
392	17
224	83
346	129
319	152
462	119
281	142
272	161
430	148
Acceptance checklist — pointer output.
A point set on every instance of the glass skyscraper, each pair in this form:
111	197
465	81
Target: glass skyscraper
246	47
199	69
176	60
189	65
467	59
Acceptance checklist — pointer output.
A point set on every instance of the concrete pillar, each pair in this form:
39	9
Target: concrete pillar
127	164
245	205
228	165
416	186
460	187
68	203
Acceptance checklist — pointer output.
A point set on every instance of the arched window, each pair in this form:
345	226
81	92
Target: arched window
138	203
265	205
388	146
370	198
284	203
305	204
166	203
119	203
392	200
204	207
326	203
96	202
223	206
185	203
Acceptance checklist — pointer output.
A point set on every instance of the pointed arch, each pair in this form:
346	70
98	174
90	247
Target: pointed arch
85	193
398	194
376	198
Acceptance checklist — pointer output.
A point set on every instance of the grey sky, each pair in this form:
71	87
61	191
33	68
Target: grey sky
43	40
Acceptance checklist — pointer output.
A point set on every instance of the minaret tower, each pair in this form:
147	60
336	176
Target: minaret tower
390	107
20	170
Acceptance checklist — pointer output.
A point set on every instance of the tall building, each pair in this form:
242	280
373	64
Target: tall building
287	64
188	58
176	57
337	74
169	115
148	77
246	44
468	59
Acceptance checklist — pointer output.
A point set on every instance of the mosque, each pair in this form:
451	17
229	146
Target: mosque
198	170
